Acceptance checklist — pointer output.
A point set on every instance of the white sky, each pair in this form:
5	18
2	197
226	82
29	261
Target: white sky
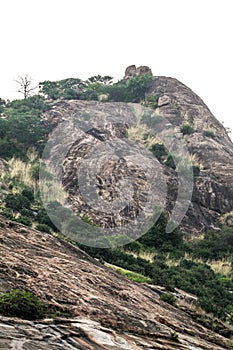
190	40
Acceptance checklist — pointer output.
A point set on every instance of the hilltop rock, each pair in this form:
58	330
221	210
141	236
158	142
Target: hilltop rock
132	71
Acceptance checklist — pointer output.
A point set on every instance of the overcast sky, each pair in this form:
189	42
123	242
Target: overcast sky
190	40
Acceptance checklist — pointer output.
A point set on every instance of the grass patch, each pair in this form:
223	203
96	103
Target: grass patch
133	276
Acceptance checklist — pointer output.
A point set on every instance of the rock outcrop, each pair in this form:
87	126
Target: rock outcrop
208	144
132	71
110	312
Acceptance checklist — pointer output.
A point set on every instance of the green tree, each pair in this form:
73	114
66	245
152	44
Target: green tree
157	237
104	80
17	201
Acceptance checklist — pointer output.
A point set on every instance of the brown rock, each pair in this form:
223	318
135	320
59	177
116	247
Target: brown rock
111	311
164	100
213	190
130	71
143	70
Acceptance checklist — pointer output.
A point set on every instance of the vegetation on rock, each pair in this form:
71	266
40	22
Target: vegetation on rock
22	304
176	263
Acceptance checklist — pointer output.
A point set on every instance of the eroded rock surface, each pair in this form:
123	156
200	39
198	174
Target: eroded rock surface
110	312
209	147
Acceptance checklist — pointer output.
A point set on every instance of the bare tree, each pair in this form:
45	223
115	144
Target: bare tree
25	85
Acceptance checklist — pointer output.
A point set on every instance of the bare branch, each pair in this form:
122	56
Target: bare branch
25	85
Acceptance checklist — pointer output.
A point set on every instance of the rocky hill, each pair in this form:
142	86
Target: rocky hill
115	161
207	142
110	312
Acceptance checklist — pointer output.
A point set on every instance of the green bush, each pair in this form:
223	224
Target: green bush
170	162
43	218
152	101
168	298
187	129
158	238
215	245
17	201
35	171
28	193
159	151
209	133
24	220
28	213
196	170
43	228
7	213
22	304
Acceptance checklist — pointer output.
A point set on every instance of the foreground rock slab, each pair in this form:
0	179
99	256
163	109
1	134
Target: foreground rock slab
110	312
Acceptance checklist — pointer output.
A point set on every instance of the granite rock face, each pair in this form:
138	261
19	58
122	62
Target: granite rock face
208	145
110	312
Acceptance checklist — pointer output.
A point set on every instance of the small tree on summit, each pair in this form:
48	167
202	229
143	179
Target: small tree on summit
25	85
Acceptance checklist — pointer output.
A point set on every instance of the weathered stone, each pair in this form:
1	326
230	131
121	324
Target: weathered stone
132	71
213	190
164	100
143	70
110	311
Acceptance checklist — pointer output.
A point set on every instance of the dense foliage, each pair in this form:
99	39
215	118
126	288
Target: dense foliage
123	91
21	127
22	304
214	291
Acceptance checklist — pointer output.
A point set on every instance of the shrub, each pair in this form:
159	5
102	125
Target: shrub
159	151
43	228
28	193
196	170
134	246
168	298
35	171
170	162
174	336
17	201
43	218
24	220
132	90
7	213
22	304
152	101
187	129
28	213
209	133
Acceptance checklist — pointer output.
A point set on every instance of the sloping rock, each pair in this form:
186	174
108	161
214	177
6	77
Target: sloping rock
110	311
209	145
213	192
